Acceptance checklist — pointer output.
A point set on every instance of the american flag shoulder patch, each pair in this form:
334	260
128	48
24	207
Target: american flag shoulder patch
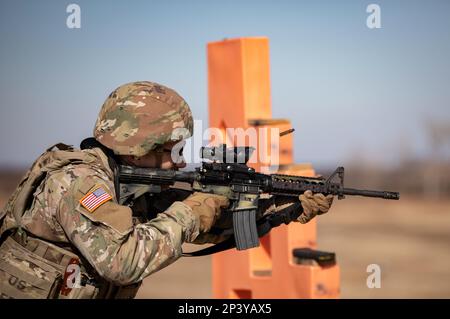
95	198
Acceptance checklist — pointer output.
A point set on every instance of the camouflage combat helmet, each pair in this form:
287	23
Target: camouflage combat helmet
139	116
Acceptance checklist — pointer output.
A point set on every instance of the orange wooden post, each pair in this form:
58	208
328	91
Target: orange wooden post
239	97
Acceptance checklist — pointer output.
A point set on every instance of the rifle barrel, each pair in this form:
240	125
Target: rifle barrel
368	193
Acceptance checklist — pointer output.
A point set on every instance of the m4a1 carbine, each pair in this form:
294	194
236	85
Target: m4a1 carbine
225	172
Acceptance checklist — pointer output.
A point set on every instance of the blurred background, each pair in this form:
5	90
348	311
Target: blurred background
376	101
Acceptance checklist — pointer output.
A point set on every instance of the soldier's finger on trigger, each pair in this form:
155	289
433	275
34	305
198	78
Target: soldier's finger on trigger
220	200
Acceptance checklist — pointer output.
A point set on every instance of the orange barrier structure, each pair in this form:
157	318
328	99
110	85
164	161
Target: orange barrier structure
239	97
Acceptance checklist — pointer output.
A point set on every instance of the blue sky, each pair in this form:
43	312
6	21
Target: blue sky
356	92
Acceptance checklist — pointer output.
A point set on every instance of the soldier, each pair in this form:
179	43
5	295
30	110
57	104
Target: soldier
70	231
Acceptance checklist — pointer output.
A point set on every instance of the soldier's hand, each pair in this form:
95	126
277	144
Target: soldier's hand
207	207
313	204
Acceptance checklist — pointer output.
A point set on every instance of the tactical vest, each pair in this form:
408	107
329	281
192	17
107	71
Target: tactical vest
33	268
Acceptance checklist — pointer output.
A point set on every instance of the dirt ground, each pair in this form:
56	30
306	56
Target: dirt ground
409	239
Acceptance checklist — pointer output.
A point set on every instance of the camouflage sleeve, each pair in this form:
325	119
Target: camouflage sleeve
120	252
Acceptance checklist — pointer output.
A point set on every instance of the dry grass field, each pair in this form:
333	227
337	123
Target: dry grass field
409	239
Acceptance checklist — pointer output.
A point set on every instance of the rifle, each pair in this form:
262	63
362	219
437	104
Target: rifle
224	171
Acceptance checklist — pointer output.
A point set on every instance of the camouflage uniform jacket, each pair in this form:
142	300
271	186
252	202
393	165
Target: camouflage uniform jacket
120	252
